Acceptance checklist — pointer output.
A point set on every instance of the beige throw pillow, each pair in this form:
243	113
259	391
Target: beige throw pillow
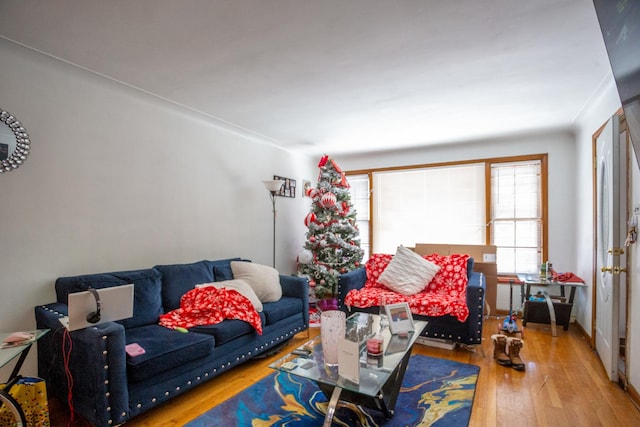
264	280
238	285
408	273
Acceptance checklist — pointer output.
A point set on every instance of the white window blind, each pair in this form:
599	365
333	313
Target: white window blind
516	215
360	200
430	205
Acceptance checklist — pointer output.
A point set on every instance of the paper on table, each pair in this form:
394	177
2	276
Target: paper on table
349	360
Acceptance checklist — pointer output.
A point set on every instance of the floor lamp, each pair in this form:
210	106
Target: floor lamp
273	186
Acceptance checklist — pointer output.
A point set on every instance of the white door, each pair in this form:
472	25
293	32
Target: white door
608	243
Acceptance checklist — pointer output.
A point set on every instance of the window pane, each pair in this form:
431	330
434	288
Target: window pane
430	205
506	259
527	232
360	200
504	233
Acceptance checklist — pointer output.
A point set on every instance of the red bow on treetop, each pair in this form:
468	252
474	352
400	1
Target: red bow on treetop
323	161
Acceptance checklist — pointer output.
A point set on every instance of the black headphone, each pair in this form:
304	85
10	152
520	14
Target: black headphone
94	316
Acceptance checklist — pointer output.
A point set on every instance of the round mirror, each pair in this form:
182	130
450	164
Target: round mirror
14	142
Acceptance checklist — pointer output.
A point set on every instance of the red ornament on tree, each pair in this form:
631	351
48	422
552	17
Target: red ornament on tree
328	200
311	217
308	191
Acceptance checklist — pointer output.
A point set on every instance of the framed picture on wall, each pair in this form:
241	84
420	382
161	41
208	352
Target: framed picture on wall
289	187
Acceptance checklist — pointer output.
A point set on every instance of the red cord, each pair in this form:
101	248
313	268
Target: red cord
66	354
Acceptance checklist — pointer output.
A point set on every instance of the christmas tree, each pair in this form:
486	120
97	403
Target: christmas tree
333	243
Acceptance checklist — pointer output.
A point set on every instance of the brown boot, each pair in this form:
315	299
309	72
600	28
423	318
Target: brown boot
514	346
499	349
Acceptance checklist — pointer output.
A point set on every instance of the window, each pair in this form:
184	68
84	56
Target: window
429	205
516	215
360	201
501	201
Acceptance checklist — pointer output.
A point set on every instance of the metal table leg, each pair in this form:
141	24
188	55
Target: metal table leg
333	404
552	313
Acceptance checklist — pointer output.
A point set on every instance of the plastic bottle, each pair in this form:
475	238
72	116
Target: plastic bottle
543	271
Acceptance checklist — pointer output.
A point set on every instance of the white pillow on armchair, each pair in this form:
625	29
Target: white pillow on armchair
408	273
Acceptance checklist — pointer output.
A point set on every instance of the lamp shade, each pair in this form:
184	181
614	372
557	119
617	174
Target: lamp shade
273	185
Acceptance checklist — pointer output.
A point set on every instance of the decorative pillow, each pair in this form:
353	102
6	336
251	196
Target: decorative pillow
452	278
264	280
408	273
239	285
375	265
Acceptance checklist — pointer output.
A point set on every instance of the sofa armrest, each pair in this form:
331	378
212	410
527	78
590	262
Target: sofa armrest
297	287
97	365
354	279
476	289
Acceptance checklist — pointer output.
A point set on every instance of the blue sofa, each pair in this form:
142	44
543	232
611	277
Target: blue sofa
447	327
109	387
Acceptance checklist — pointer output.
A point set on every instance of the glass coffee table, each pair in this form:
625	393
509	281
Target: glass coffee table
380	377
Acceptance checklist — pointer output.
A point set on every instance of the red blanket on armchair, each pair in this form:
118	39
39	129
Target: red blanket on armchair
444	295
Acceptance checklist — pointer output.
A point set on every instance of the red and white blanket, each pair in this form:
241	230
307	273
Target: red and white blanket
444	295
211	305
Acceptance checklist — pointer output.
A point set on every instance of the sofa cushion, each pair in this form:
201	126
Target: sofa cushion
240	286
165	349
281	309
264	280
178	279
222	268
408	273
147	302
227	330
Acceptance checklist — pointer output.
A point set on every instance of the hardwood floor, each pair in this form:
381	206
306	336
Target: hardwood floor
564	384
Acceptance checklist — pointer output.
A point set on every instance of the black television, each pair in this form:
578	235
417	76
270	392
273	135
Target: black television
620	25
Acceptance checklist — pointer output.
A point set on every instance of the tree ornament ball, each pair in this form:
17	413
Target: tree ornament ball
305	257
313	193
310	218
312	239
308	191
328	200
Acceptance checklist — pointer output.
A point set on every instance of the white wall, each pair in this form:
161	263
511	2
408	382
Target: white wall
119	180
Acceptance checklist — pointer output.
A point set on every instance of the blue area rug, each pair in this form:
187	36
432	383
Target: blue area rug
435	392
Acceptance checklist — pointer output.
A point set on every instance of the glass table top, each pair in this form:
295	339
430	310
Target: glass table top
374	371
7	354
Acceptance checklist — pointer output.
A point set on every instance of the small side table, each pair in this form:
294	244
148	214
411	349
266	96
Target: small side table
531	307
20	351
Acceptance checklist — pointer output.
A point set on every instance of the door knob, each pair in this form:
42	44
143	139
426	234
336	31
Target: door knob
618	270
608	269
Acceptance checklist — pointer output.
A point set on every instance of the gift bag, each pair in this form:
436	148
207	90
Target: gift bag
31	395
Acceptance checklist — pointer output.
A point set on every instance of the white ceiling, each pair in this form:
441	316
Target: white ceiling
337	76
